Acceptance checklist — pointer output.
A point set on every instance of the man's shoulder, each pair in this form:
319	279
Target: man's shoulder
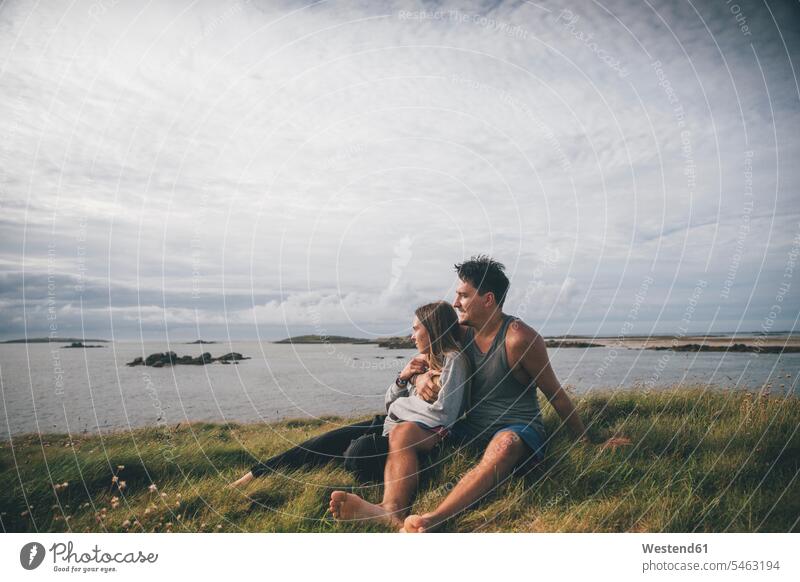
520	335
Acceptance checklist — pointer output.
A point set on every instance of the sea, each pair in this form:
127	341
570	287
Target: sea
47	388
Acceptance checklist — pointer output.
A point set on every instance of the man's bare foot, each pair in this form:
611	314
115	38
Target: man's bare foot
242	482
418	523
349	507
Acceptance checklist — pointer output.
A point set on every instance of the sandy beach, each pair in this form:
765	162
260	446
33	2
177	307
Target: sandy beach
719	342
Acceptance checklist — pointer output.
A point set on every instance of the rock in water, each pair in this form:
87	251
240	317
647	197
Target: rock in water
152	359
232	356
173	359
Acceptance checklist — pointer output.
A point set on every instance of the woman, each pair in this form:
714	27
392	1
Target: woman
411	425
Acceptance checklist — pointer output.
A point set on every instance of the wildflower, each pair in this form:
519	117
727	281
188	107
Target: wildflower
126	523
122	485
153	488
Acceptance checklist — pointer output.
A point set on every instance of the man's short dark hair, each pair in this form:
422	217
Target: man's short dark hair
485	274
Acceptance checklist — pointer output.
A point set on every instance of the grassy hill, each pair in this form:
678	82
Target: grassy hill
701	461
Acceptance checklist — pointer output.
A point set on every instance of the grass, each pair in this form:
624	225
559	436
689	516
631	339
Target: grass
702	460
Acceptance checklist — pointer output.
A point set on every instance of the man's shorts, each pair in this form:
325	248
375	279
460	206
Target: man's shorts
531	438
536	442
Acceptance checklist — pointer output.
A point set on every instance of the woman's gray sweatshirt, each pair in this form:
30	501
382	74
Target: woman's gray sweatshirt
403	404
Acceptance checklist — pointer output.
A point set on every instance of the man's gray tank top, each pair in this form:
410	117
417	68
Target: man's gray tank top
497	399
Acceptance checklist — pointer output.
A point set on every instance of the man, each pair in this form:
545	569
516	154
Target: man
510	362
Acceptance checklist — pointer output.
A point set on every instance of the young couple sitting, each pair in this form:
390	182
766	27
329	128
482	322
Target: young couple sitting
474	381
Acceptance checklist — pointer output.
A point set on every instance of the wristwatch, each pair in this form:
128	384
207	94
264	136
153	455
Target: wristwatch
399	382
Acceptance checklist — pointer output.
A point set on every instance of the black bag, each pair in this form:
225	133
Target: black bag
366	455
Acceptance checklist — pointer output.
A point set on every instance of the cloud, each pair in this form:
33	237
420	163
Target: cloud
275	153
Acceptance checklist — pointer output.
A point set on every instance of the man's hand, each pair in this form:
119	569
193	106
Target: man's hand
615	442
426	388
417	365
612	443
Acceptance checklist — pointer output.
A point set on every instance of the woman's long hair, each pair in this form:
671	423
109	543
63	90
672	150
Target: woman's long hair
441	322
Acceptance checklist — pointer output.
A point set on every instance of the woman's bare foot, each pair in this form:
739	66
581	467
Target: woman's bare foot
418	523
349	507
242	482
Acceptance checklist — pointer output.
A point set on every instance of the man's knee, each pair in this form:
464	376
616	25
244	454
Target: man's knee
506	447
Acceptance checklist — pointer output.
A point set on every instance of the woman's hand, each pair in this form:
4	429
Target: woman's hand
417	365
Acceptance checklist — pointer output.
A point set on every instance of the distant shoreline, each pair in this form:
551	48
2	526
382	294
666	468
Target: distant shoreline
746	342
53	340
741	344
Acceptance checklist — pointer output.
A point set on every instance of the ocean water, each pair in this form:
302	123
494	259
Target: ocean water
49	389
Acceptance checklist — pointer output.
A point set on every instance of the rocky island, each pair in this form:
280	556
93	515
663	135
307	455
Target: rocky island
81	345
324	339
401	342
172	359
396	343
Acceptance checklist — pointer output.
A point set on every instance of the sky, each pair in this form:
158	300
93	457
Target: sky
262	169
